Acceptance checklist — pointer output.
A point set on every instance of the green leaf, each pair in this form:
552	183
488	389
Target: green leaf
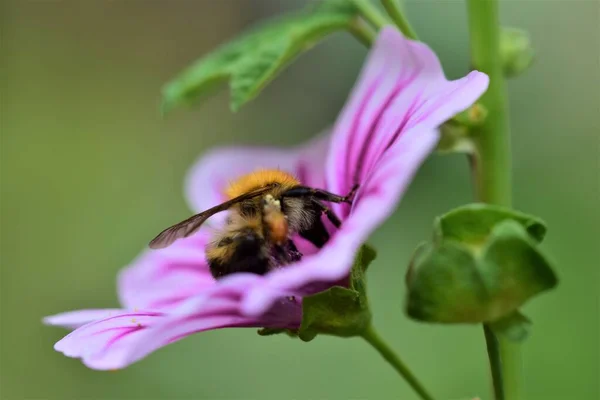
365	256
253	60
481	267
339	311
515	327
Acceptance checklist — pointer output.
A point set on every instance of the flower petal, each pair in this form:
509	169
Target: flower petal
101	344
163	278
402	86
122	339
75	319
204	313
207	180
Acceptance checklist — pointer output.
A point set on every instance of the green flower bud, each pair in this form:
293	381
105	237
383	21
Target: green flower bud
456	133
481	266
516	51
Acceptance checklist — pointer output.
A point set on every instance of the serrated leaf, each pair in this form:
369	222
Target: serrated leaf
253	60
515	327
339	311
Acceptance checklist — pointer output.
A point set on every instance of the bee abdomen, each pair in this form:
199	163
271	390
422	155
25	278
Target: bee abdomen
244	252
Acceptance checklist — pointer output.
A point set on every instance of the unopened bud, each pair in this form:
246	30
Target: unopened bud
516	51
483	263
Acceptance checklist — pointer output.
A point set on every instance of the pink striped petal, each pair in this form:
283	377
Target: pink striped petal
225	313
102	344
117	341
163	278
75	319
401	87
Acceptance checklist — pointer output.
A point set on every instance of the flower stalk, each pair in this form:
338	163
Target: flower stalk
362	32
394	10
373	338
491	165
493	157
371	13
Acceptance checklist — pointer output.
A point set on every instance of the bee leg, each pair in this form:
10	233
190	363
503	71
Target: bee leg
328	213
317	233
304	191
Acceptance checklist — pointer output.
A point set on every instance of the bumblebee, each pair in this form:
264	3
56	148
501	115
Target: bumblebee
266	208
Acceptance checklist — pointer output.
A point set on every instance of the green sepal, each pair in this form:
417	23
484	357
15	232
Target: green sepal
250	62
472	117
339	311
472	223
276	331
516	51
515	327
482	265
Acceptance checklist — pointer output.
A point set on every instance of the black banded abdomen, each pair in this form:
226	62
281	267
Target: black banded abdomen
244	252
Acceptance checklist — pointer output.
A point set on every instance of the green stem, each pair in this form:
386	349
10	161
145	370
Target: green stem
363	32
496	365
512	368
492	166
373	338
371	13
393	9
492	139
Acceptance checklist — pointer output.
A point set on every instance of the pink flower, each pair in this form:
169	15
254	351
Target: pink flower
385	131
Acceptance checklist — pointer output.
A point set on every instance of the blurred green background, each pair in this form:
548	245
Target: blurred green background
90	172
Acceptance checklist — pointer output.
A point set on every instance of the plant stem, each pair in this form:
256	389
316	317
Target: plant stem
371	13
496	365
492	167
492	139
363	32
512	368
373	338
393	9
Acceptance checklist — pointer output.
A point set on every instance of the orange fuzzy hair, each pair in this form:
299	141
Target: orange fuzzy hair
257	179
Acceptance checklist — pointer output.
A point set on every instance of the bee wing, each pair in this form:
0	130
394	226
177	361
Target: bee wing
190	225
